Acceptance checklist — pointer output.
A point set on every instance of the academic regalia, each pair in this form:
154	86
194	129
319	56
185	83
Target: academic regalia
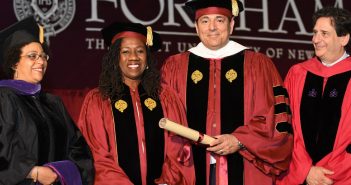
132	119
240	94
36	129
309	84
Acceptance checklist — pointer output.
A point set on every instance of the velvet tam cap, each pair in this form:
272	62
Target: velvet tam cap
118	30
20	33
225	7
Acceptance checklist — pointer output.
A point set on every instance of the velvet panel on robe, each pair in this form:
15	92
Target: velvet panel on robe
96	122
140	141
35	130
266	124
338	160
227	78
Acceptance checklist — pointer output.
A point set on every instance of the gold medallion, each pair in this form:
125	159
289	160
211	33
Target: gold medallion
121	105
150	103
196	76
231	75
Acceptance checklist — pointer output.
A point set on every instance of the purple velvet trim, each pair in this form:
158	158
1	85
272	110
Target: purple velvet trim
21	87
67	171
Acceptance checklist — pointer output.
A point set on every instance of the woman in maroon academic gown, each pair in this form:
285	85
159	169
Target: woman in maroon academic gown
119	119
320	94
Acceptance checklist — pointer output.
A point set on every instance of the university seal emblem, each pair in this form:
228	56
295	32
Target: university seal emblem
53	15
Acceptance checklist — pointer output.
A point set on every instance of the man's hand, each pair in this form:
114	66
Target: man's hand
318	176
224	144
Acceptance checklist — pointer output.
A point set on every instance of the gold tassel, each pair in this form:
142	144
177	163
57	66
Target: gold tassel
235	8
149	36
41	34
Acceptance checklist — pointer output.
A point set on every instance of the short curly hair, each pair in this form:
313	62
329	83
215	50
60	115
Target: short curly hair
12	57
340	19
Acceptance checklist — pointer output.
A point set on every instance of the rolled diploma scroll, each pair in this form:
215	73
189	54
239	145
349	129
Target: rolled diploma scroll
185	131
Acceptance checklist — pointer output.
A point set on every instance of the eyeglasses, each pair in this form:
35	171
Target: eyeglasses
35	56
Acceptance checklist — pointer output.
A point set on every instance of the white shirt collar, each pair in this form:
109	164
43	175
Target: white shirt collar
229	49
345	55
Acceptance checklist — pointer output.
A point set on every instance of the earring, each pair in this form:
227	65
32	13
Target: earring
16	74
147	67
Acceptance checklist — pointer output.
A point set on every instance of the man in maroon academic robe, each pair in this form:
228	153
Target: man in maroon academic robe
320	94
235	95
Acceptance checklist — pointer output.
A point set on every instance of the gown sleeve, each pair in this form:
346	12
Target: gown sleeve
267	133
16	160
95	116
78	150
178	167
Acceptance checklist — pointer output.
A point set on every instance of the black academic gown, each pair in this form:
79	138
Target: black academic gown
34	130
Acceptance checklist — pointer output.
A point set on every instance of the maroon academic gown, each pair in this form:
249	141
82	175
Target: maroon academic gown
264	128
97	124
339	158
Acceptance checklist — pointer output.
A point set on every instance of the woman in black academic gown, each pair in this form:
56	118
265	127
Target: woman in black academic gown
38	140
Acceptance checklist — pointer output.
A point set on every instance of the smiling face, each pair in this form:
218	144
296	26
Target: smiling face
327	45
29	69
214	30
132	60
